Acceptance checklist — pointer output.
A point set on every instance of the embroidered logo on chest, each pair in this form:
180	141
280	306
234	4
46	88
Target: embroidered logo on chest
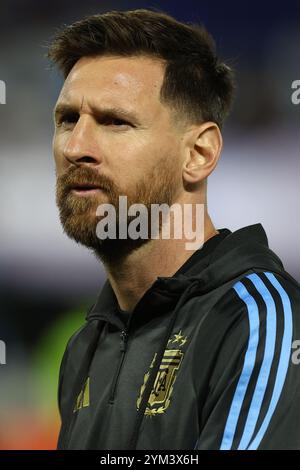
161	393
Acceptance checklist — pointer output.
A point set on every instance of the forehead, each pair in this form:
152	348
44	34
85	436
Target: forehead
115	80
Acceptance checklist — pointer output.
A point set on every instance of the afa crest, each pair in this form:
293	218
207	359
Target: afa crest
160	396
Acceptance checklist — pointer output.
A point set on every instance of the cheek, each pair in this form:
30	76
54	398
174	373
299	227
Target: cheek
128	160
156	158
57	150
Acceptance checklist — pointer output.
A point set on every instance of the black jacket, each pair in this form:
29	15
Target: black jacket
206	360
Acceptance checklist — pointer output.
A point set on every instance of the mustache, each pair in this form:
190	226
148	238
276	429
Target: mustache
77	177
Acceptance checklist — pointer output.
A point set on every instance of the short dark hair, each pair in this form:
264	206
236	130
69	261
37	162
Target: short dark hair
196	84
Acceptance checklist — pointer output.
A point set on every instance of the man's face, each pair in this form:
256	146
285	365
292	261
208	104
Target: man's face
113	132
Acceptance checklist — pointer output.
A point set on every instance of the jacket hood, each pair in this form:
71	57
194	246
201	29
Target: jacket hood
240	251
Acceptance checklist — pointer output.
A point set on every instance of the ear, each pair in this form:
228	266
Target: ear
203	145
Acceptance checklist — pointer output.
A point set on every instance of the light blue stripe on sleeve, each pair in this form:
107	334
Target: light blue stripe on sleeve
248	366
285	353
265	369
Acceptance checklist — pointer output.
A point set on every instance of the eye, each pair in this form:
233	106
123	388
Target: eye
67	119
114	121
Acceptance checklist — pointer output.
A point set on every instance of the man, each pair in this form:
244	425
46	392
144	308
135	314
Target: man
183	349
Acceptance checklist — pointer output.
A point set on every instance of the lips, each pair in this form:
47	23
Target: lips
85	189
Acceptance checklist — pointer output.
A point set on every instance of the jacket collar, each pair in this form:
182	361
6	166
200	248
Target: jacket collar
162	295
231	254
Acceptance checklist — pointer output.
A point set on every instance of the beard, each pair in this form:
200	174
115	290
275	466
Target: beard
78	213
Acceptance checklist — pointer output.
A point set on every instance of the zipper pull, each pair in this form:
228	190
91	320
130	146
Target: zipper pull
124	338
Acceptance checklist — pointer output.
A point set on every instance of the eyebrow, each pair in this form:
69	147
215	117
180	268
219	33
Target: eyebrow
100	113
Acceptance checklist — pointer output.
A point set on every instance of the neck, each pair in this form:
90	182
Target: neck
135	274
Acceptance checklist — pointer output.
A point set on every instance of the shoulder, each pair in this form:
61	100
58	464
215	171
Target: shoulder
260	322
259	296
254	367
254	326
270	300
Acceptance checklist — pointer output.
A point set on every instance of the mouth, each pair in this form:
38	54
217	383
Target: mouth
85	189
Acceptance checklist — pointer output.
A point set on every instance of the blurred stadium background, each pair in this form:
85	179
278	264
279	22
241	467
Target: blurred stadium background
46	281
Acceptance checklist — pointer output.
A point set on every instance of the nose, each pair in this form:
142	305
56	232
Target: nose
81	146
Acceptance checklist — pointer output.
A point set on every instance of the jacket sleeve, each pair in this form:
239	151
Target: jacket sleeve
63	367
253	400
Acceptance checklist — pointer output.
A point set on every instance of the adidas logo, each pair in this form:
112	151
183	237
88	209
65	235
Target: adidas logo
83	398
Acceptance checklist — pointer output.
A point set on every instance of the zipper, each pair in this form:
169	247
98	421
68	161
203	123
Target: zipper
124	340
